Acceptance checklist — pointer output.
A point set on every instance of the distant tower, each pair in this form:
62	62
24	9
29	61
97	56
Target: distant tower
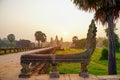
61	40
56	40
51	42
61	43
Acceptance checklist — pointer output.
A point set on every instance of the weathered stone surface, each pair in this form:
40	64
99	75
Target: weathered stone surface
33	59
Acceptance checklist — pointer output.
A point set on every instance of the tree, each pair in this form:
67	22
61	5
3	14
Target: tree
40	37
106	11
104	55
75	40
23	43
105	43
81	43
117	44
114	27
100	42
11	38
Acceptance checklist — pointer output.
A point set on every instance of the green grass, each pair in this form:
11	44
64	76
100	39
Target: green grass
96	66
1	52
69	51
7	52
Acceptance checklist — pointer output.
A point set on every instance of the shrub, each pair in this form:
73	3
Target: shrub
104	55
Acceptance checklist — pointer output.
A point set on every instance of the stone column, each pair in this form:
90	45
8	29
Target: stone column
54	73
84	71
25	71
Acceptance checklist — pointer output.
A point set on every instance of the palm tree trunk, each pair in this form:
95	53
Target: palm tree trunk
111	51
38	43
41	45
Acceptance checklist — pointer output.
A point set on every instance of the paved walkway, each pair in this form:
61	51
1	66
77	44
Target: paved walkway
62	77
73	77
10	65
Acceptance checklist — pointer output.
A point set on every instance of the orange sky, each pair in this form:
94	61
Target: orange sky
53	17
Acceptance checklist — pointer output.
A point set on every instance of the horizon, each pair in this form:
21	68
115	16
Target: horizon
62	18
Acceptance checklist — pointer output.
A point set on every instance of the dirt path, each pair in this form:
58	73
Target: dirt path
10	65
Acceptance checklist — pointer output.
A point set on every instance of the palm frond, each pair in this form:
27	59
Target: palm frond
101	8
101	16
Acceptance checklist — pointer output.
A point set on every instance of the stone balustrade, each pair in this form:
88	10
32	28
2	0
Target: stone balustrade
33	59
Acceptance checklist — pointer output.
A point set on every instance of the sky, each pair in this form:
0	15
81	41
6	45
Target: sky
53	17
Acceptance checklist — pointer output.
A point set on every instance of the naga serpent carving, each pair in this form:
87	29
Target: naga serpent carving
83	58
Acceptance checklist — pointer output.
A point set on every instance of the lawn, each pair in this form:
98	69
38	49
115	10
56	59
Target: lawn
96	66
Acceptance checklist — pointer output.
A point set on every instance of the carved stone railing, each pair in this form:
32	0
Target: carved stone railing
83	58
33	59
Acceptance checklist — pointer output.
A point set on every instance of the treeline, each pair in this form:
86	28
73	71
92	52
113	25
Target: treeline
10	42
5	43
101	42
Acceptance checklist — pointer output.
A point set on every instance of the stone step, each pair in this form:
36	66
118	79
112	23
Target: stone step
72	77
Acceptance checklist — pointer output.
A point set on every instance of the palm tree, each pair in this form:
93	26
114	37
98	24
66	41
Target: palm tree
40	37
106	11
74	40
11	38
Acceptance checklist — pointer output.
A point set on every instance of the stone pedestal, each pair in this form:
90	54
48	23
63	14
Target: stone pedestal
25	71
24	76
84	75
54	74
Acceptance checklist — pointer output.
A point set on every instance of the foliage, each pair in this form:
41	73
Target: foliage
104	54
107	30
117	43
96	66
11	37
4	43
105	42
81	43
74	41
23	43
100	41
40	37
106	11
84	43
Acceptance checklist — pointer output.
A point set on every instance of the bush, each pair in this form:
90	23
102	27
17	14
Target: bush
104	55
